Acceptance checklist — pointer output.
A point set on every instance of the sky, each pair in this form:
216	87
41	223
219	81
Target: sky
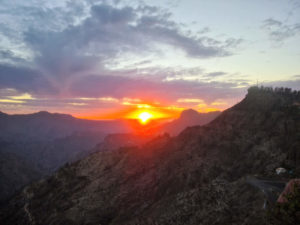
102	59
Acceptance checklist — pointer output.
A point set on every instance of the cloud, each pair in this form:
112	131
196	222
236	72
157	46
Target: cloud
109	31
168	91
77	104
190	100
64	52
11	101
25	96
24	80
67	42
10	57
216	74
279	31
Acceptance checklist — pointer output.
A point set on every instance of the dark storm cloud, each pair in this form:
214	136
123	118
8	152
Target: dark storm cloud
280	31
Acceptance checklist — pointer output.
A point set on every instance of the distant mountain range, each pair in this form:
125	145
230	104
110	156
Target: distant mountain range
198	177
48	140
35	145
187	118
45	126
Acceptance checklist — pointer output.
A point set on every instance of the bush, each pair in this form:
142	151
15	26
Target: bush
288	212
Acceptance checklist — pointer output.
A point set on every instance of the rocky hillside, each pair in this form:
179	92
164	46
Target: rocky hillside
115	141
15	172
197	177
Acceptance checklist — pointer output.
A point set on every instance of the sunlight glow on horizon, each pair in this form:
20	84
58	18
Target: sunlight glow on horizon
144	117
121	108
133	111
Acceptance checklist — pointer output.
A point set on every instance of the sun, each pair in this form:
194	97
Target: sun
144	117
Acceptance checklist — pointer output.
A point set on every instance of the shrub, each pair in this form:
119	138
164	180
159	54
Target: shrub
287	212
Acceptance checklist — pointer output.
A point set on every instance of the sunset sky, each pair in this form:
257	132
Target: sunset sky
112	59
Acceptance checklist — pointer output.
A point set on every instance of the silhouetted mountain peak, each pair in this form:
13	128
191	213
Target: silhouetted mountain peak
46	114
43	113
2	113
189	113
189	117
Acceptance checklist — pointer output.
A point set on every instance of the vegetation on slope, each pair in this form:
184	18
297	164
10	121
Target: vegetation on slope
198	177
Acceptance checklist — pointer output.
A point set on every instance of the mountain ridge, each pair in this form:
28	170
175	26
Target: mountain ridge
187	118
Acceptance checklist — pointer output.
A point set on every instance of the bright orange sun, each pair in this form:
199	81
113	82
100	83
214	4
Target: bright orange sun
144	117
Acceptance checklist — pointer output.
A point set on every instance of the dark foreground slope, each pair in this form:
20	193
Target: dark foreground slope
15	172
195	178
